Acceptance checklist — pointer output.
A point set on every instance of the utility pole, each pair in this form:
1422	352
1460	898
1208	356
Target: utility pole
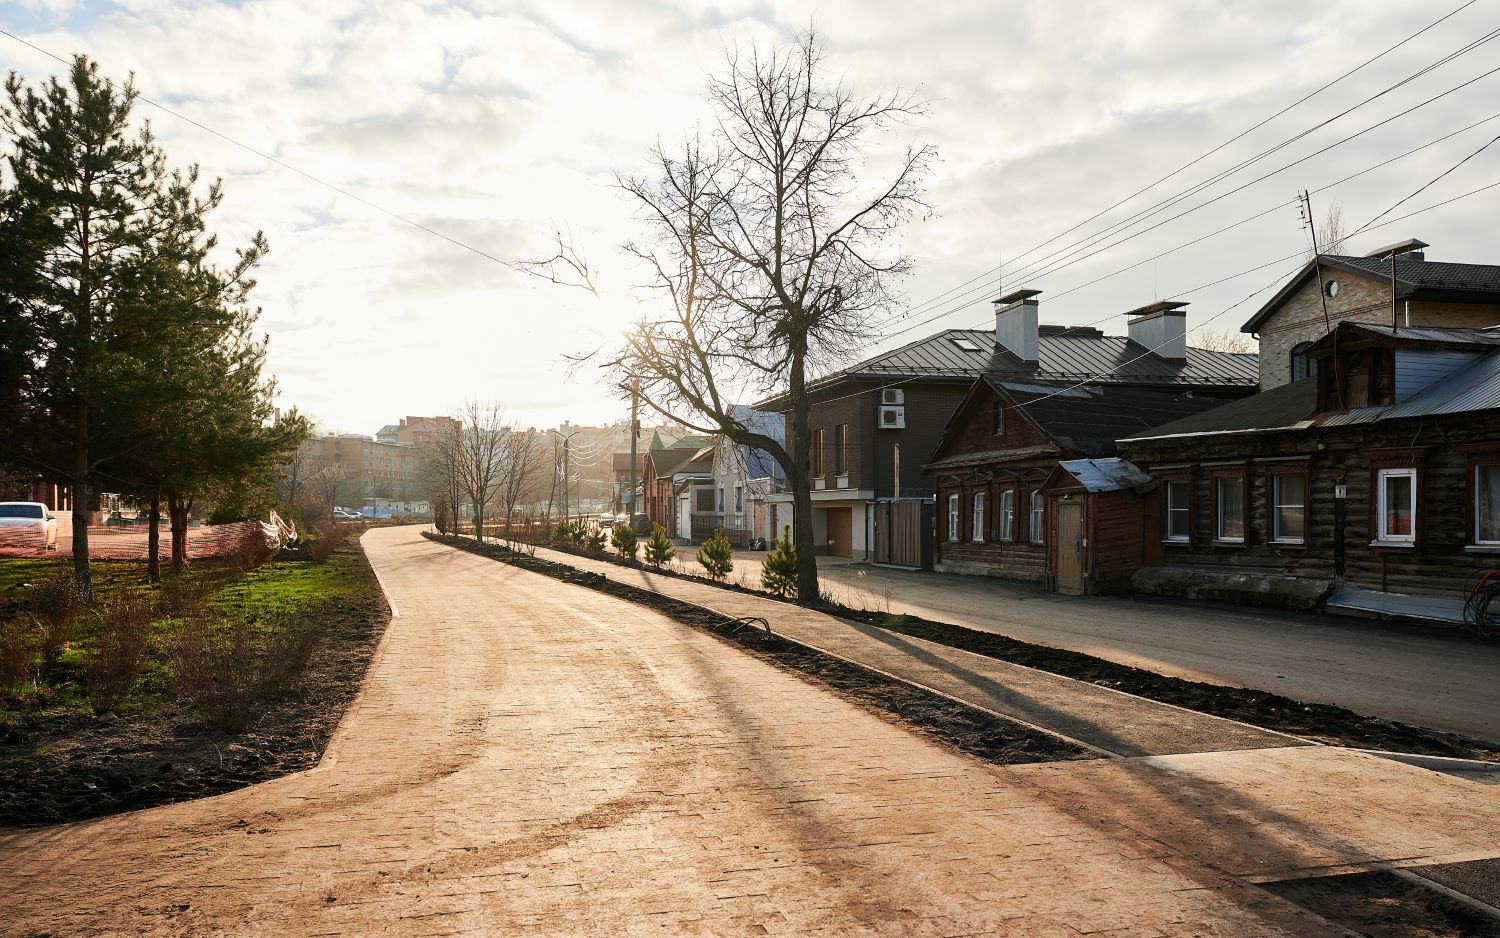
1312	229
635	434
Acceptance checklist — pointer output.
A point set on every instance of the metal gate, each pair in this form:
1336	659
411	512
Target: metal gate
903	532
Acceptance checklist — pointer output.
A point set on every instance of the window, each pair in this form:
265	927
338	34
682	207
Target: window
1179	516
978	532
818	454
721	499
1302	366
952	517
1036	525
739	499
1487	504
841	449
968	345
999	418
1331	289
1008	515
1396	511
704	499
1288	507
1229	497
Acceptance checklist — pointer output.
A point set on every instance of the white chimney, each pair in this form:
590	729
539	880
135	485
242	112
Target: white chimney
1161	328
1016	324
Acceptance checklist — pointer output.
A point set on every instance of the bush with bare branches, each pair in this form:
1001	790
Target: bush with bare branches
228	673
116	655
18	657
56	605
329	535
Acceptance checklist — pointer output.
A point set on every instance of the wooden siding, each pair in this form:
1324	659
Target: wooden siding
1438	564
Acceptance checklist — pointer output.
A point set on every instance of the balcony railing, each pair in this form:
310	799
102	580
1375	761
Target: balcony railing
736	525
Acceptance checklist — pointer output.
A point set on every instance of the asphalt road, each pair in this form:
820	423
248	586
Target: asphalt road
1445	679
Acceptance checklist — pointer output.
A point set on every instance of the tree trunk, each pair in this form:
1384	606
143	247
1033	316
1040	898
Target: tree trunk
177	508
153	537
801	481
82	573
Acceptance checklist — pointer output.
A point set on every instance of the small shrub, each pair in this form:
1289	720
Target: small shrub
19	639
659	547
329	537
442	519
183	596
593	540
116	657
562	534
56	606
778	571
228	674
717	555
624	540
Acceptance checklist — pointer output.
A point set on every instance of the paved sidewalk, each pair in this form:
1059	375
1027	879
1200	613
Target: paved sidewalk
531	757
1117	723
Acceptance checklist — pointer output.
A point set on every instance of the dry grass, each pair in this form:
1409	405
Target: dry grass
56	606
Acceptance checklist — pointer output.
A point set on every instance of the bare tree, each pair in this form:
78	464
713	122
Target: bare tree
771	253
481	451
520	462
1225	341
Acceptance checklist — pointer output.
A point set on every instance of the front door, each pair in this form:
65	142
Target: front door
841	532
1069	545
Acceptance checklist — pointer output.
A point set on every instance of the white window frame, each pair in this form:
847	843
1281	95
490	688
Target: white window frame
1007	515
1384	536
1186	508
977	535
952	517
1478	491
1036	529
1276	506
1220	486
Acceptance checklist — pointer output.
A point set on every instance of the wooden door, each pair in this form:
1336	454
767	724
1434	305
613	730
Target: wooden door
841	532
1068	544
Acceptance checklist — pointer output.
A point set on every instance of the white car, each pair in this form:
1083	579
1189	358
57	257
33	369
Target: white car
27	524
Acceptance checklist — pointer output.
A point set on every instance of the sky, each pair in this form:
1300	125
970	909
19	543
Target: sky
499	124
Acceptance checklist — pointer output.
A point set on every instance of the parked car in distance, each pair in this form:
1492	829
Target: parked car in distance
606	520
28	523
341	514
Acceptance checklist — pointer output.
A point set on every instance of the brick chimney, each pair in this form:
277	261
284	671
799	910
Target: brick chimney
1161	328
1016	324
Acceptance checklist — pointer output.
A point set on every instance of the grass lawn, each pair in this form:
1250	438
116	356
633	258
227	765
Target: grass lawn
60	761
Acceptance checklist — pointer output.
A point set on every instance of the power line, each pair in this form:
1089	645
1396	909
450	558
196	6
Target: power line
1201	157
510	265
960	304
1084	243
1368	226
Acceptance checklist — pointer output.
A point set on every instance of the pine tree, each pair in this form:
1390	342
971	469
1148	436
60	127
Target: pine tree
659	547
717	555
593	540
778	571
623	537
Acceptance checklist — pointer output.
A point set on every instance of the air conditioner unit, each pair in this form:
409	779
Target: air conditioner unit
894	396
892	418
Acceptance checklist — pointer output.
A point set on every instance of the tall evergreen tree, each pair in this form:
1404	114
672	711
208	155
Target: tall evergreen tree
84	194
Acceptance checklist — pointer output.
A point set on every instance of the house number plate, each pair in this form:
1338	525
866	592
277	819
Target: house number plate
1341	491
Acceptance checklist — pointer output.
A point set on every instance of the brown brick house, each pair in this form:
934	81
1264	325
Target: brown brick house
1341	288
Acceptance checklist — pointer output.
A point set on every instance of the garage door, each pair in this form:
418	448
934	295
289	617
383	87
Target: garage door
841	532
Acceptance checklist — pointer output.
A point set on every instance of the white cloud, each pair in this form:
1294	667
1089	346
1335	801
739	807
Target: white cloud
495	121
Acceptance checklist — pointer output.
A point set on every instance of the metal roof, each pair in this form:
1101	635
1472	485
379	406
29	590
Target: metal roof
1085	355
1476	387
1105	475
1281	408
1439	334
